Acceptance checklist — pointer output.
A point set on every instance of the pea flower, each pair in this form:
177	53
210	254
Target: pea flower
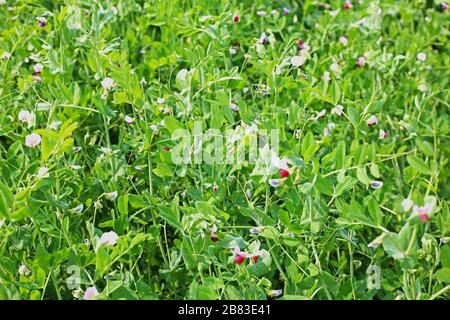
275	183
423	212
383	134
108	238
33	140
372	120
377	241
78	208
161	100
107	83
361	62
326	76
42	21
213	233
343	41
234	107
347	5
334	67
240	256
38	68
421	57
27	116
111	195
261	13
5	56
275	293
298	61
376	184
407	204
43	173
284	173
236	18
90	293
23	270
443	6
128	119
338	110
263	38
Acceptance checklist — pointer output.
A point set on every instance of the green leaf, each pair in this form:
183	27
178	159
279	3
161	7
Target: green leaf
187	254
445	256
361	174
122	205
6	200
340	155
443	275
170	216
418	164
374	210
172	124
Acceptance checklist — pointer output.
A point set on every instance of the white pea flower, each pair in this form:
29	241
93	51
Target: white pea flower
43	173
421	57
407	204
107	83
27	116
298	61
111	195
23	270
108	238
78	208
5	55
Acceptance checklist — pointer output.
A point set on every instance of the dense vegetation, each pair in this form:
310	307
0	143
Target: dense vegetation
353	206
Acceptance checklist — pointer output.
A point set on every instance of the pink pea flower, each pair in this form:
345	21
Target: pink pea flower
234	107
383	134
128	119
285	11
33	140
372	120
423	212
338	110
90	293
263	38
236	18
347	5
343	41
300	44
443	6
38	68
213	233
326	76
361	62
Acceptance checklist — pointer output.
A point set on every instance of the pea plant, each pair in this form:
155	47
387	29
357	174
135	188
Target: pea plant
224	149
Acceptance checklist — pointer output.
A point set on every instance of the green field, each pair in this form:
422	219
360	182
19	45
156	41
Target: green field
207	149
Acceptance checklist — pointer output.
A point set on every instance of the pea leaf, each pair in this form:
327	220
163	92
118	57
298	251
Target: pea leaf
418	164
